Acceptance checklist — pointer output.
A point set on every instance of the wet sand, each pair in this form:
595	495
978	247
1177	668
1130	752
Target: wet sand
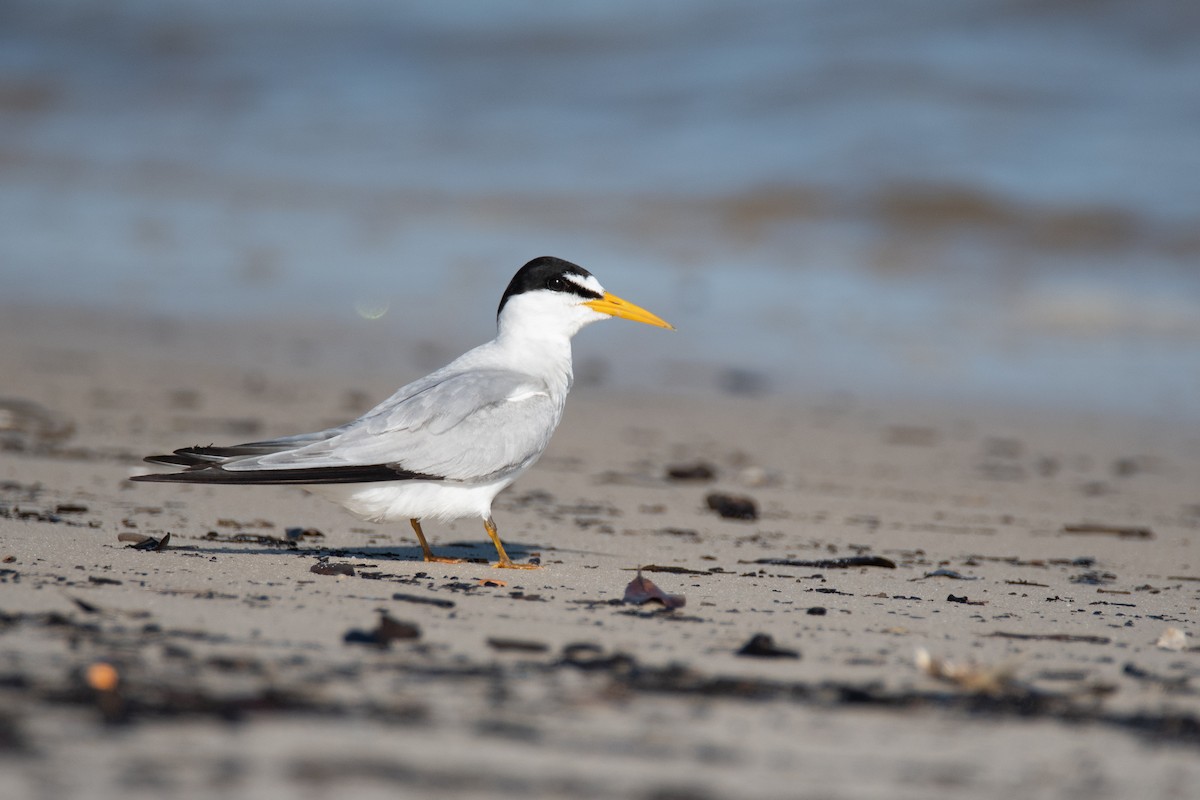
275	645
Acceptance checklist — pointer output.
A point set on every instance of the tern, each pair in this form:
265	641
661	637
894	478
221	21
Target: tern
445	445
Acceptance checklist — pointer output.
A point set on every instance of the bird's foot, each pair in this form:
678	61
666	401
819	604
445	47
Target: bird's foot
429	557
507	564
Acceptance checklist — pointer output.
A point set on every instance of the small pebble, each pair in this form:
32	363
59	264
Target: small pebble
762	645
731	506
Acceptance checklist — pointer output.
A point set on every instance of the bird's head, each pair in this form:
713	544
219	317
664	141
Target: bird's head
549	295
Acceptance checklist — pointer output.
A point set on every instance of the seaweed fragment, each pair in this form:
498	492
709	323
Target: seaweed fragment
848	562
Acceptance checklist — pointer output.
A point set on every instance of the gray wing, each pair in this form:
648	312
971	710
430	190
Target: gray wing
466	425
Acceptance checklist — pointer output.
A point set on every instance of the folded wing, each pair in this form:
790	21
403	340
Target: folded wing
461	426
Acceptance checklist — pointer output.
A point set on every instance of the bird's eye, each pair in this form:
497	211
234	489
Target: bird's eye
557	284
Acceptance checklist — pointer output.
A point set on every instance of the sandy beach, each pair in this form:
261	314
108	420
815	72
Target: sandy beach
960	602
914	489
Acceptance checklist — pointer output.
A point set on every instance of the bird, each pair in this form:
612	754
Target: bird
443	446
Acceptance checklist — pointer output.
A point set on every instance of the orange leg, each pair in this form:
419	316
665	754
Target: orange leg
505	562
429	556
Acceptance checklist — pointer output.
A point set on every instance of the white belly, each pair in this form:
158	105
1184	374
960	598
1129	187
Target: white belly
403	500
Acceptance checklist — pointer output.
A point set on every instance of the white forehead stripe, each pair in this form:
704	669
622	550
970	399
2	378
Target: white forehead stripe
588	282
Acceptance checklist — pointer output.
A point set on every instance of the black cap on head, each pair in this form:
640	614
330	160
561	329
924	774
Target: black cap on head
547	272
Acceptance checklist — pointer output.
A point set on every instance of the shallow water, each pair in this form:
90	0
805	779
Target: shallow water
975	199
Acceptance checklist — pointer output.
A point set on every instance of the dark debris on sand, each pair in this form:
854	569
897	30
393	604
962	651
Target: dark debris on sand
732	506
829	563
387	630
762	645
146	694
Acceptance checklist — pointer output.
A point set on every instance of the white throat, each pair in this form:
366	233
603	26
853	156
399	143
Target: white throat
535	331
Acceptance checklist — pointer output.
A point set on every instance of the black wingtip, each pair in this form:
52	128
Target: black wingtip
171	460
152	478
214	474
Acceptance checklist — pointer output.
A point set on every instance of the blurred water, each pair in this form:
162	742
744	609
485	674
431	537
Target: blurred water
969	199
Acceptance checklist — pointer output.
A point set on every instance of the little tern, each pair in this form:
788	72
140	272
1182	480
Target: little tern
445	445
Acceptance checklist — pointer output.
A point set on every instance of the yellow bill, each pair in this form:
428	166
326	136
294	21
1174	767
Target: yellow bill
614	306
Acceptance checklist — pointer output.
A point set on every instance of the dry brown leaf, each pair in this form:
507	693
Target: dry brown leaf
642	590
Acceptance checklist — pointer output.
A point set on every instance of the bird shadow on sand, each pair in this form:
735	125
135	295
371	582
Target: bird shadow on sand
481	554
